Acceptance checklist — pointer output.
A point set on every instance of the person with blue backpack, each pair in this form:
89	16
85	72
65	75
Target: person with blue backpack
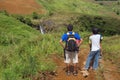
72	42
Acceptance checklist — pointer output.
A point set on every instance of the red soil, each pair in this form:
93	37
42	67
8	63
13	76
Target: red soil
110	71
21	6
61	75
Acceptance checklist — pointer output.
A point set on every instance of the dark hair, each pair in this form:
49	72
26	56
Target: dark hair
70	27
95	30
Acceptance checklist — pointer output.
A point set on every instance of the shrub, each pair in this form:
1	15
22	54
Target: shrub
20	18
4	12
107	25
35	15
28	21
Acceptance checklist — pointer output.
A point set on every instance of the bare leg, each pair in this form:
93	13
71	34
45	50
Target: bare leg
68	69
75	67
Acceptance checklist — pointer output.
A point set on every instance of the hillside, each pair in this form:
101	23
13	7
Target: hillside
23	50
21	6
26	54
111	5
51	6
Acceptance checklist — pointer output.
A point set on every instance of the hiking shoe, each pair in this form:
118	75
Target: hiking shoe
68	73
75	73
85	73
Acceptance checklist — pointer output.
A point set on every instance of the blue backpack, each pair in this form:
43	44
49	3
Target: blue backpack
71	42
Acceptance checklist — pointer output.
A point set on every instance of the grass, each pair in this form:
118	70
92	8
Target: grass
111	53
23	50
72	6
111	48
113	6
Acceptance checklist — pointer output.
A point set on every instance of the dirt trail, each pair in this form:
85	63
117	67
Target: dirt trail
61	68
110	70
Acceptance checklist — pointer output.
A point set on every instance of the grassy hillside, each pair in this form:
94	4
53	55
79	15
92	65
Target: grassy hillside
83	14
111	56
23	50
111	49
111	5
72	6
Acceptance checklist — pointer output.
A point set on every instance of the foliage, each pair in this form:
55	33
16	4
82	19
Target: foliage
107	25
70	6
111	49
28	21
112	5
22	50
35	15
4	12
23	19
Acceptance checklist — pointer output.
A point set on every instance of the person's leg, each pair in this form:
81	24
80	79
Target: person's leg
87	65
89	58
96	60
75	66
68	67
67	61
75	61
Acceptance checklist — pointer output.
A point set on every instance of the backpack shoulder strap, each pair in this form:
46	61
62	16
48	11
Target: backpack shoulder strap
73	33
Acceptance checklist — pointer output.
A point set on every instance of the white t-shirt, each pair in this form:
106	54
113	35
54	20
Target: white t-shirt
95	41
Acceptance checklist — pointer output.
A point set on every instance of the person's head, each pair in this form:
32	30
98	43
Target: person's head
70	27
95	30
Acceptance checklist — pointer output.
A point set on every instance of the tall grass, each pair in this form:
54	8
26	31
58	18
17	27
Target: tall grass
73	6
111	47
24	51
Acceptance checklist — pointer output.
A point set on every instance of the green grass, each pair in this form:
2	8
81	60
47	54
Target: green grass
111	47
113	6
23	50
111	53
72	6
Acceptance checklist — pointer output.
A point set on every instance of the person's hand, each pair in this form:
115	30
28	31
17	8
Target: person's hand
100	51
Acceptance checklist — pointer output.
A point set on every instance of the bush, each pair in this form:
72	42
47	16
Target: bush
28	21
107	25
35	15
117	12
4	12
20	18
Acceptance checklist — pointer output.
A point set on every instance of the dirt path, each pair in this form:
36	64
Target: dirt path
61	68
110	70
106	71
21	6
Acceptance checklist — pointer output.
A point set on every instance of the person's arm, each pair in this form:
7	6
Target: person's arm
101	38
90	44
61	43
81	40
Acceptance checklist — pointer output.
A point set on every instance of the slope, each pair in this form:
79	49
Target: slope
73	6
21	6
14	39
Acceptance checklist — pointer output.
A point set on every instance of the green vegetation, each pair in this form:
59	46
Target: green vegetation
72	6
23	50
111	47
113	6
107	25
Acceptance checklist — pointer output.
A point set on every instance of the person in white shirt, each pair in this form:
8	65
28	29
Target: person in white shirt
95	49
